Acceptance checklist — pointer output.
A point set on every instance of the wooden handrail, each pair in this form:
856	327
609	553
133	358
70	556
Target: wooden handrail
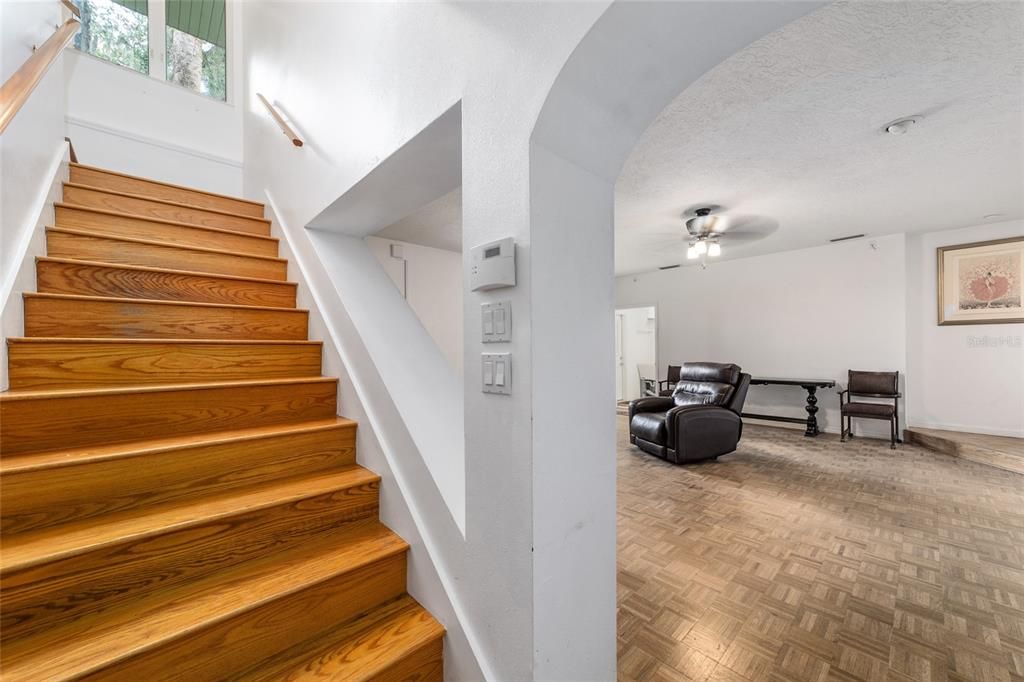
22	82
71	150
73	8
285	128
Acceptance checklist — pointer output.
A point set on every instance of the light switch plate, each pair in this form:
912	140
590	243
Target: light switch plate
496	373
496	322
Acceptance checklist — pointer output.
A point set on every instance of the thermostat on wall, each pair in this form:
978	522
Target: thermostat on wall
493	265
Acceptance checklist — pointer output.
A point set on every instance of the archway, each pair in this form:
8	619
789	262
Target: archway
631	64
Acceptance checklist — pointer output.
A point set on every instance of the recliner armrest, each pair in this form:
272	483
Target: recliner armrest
673	416
650	404
700	431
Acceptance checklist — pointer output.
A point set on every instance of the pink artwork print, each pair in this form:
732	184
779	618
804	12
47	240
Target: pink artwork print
990	281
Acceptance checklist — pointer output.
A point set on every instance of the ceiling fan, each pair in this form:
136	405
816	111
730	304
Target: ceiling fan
730	230
706	230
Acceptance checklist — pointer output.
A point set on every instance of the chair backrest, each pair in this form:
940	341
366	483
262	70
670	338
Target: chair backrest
877	384
740	396
672	376
707	383
648	379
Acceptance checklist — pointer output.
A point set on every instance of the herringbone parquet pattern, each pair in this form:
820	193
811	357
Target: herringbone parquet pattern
809	559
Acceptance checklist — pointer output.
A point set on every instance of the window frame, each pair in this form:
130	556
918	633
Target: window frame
157	23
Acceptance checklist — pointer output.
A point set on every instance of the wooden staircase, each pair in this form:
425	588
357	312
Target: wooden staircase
180	500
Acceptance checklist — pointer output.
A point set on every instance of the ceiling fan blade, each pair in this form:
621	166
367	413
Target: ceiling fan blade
748	228
741	236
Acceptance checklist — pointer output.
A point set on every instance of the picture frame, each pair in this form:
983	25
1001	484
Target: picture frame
981	282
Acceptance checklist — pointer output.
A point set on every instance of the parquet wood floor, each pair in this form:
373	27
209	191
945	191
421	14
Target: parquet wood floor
809	559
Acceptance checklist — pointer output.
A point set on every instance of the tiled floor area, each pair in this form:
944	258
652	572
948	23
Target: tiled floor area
810	559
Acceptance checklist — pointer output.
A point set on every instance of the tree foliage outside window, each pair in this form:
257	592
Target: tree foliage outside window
115	33
118	31
196	64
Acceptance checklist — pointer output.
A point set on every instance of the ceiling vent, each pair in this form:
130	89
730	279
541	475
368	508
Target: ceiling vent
846	238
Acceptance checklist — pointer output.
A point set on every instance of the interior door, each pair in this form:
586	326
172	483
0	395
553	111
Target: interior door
620	361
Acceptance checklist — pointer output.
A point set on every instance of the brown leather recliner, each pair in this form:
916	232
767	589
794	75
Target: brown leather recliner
701	419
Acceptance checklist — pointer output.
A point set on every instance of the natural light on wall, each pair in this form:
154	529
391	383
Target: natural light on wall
181	41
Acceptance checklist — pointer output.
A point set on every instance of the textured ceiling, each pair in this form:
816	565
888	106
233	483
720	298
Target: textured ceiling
438	224
786	133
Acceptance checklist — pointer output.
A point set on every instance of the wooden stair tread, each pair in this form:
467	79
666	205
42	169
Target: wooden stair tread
239	342
187	508
166	202
38	394
63	363
165	184
164	221
127	224
46	420
360	650
147	282
76	456
50	544
169	271
95	278
157	301
98	640
151	242
115	299
109	248
76	315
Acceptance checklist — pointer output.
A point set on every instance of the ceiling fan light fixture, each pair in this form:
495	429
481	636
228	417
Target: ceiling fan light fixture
691	253
700	247
703	223
715	250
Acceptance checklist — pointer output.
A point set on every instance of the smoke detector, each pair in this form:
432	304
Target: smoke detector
901	126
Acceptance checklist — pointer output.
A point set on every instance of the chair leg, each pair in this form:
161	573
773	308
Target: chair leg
892	434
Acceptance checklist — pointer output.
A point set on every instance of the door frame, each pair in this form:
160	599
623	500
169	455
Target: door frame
657	330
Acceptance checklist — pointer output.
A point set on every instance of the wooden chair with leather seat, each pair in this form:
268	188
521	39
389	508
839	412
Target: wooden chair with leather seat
879	385
670	380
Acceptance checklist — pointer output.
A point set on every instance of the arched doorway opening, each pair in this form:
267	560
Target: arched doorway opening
632	63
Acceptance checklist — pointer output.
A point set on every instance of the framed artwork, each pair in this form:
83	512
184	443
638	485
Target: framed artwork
982	282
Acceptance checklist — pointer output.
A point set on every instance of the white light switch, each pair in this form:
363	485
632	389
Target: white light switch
496	322
497	373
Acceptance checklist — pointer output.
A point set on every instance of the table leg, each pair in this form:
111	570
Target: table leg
812	409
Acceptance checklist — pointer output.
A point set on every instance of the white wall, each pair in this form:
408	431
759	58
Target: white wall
536	573
961	377
384	443
816	312
431	280
638	346
31	152
127	121
812	313
358	80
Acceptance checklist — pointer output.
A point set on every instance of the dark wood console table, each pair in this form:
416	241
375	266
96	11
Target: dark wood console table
809	385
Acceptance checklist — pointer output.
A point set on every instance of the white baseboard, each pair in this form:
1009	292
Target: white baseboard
28	245
151	141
